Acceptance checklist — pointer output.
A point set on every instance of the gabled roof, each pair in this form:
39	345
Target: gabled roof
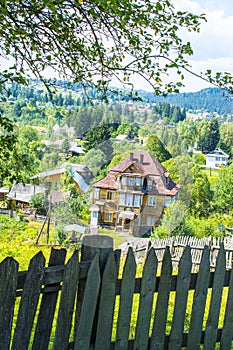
143	161
140	163
218	152
79	168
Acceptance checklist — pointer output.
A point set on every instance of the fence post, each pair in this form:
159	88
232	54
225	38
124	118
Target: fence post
91	245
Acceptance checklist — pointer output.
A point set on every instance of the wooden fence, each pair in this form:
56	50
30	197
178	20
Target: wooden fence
177	245
90	305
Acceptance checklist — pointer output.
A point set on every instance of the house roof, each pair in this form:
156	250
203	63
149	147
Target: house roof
143	161
58	197
217	152
146	165
79	168
23	193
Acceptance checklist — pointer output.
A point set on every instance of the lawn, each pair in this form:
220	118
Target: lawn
212	175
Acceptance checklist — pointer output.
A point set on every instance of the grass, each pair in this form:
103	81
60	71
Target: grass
118	239
17	240
212	175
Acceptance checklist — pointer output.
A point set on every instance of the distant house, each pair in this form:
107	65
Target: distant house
21	194
64	129
80	174
74	148
134	195
56	197
216	158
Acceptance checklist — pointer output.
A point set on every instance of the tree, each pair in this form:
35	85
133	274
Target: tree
173	221
200	204
92	41
209	135
156	148
223	190
99	138
39	201
95	159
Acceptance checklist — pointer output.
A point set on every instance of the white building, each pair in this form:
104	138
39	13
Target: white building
216	158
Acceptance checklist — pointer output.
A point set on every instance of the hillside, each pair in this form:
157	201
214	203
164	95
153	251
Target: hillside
208	100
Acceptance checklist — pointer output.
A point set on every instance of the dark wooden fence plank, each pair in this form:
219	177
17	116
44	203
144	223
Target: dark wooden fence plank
92	245
160	318
48	303
126	298
8	285
146	301
215	304
91	293
199	302
183	281
28	303
66	307
106	307
226	339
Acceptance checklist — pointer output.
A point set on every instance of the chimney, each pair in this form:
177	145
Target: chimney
131	156
141	158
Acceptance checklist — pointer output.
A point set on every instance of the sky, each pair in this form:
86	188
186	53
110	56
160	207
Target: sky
213	46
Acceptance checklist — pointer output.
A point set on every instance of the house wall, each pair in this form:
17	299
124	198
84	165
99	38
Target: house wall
214	162
152	211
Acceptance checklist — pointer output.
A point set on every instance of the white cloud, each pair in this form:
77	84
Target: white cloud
212	47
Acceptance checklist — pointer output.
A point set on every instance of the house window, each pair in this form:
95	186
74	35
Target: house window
137	200
152	201
122	199
150	221
167	201
129	200
110	195
96	193
149	183
123	180
108	216
217	159
138	181
223	159
131	181
95	214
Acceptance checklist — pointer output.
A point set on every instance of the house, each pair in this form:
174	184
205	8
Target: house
134	194
21	194
216	158
74	148
80	174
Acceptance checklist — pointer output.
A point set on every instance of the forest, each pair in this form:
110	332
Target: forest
166	130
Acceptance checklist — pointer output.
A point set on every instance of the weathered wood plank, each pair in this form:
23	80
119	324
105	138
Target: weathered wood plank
160	318
28	303
183	281
66	307
146	301
215	304
48	303
91	293
199	302
106	307
126	298
8	284
92	245
226	339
